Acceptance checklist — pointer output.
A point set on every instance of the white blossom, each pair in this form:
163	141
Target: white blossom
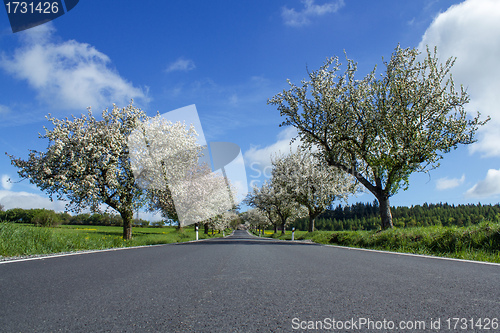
256	218
87	162
166	161
278	206
381	130
310	182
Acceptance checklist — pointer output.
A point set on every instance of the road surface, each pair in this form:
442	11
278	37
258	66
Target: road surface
246	284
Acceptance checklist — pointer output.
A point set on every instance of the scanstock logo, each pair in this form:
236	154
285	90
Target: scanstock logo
28	14
202	180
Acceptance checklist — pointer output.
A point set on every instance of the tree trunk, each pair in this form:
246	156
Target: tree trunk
127	223
206	228
311	223
179	226
283	229
275	228
385	212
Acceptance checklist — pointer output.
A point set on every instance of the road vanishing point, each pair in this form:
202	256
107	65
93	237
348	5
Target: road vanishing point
244	283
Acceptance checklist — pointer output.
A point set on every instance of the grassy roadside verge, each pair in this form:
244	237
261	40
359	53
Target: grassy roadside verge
25	240
479	242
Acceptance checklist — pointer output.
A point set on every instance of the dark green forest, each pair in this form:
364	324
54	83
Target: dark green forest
365	216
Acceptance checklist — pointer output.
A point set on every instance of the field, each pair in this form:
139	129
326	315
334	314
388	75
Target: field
479	242
22	240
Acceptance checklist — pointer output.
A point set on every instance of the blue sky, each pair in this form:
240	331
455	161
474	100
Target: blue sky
228	58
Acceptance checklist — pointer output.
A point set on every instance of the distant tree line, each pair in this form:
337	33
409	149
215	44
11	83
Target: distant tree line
49	218
365	216
45	217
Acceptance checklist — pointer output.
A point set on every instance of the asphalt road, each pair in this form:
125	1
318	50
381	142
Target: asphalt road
245	284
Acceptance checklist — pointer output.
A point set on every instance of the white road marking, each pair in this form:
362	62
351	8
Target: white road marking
415	255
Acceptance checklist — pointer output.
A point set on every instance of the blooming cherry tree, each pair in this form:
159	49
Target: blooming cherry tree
87	162
310	182
166	161
202	195
256	218
224	220
276	204
381	130
162	153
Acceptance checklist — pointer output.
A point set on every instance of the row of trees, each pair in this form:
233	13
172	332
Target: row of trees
48	218
381	129
300	185
126	161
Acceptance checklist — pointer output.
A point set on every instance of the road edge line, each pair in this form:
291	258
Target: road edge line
413	255
58	255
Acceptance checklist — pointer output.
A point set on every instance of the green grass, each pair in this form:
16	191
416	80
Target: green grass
480	242
20	240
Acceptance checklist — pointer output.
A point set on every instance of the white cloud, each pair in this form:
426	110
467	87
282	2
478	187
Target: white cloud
181	64
6	185
147	216
446	183
4	110
488	187
68	75
303	17
470	31
25	200
233	100
260	158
